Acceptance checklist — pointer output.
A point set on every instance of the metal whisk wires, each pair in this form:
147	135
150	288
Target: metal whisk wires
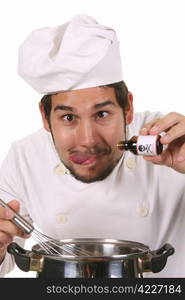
55	247
50	246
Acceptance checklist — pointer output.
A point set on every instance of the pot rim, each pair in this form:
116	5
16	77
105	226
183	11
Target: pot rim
142	250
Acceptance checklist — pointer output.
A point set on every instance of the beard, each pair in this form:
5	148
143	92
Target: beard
101	175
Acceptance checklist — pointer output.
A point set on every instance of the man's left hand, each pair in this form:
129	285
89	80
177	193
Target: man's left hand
173	124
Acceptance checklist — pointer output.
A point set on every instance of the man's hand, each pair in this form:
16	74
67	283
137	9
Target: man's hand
7	229
173	124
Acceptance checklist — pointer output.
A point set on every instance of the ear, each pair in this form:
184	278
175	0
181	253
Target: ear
44	119
129	110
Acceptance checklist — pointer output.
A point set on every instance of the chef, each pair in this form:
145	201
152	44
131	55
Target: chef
68	178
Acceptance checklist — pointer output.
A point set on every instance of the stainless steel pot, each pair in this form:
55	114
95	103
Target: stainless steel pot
109	259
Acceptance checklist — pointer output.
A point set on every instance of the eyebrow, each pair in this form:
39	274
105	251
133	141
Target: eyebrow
102	104
96	106
63	107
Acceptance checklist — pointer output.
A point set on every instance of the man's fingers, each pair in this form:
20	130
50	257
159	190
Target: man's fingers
8	213
5	239
164	159
9	228
146	128
167	122
181	154
14	204
162	124
154	159
173	133
143	131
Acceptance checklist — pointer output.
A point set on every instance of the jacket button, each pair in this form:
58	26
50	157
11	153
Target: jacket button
61	219
61	170
131	163
143	211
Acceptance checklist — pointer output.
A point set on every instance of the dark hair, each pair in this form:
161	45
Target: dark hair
121	92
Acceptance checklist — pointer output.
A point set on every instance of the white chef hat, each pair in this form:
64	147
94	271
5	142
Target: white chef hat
78	54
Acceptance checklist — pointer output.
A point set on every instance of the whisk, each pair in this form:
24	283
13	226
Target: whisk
49	245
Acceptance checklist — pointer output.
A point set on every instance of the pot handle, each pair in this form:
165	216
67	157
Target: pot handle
21	256
159	257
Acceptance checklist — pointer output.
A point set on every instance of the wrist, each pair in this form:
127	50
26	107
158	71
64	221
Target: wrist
2	255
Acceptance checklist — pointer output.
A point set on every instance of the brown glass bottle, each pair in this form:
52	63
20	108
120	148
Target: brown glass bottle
142	145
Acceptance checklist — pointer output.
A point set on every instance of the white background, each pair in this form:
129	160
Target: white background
152	41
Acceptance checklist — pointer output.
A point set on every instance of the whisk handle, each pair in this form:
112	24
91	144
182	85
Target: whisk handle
24	225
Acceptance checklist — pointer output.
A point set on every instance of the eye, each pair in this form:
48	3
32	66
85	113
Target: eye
102	114
68	118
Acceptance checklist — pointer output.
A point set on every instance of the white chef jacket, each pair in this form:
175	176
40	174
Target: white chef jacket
138	201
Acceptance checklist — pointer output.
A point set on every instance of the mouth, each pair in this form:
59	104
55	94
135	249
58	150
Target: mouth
83	159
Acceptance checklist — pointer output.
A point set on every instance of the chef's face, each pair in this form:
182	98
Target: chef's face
86	125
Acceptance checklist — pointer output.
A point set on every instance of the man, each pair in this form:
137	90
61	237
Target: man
69	178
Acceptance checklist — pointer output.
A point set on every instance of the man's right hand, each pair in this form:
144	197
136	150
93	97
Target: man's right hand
7	229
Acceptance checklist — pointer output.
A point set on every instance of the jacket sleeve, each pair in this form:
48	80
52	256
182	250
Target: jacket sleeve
10	189
8	263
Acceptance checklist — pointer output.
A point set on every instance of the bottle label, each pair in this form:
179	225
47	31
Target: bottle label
146	145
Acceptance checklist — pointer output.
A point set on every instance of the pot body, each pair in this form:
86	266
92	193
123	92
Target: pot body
91	269
91	258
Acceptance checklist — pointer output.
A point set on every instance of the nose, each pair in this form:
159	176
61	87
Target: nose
86	134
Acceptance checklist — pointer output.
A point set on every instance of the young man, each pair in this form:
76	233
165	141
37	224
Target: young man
69	178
